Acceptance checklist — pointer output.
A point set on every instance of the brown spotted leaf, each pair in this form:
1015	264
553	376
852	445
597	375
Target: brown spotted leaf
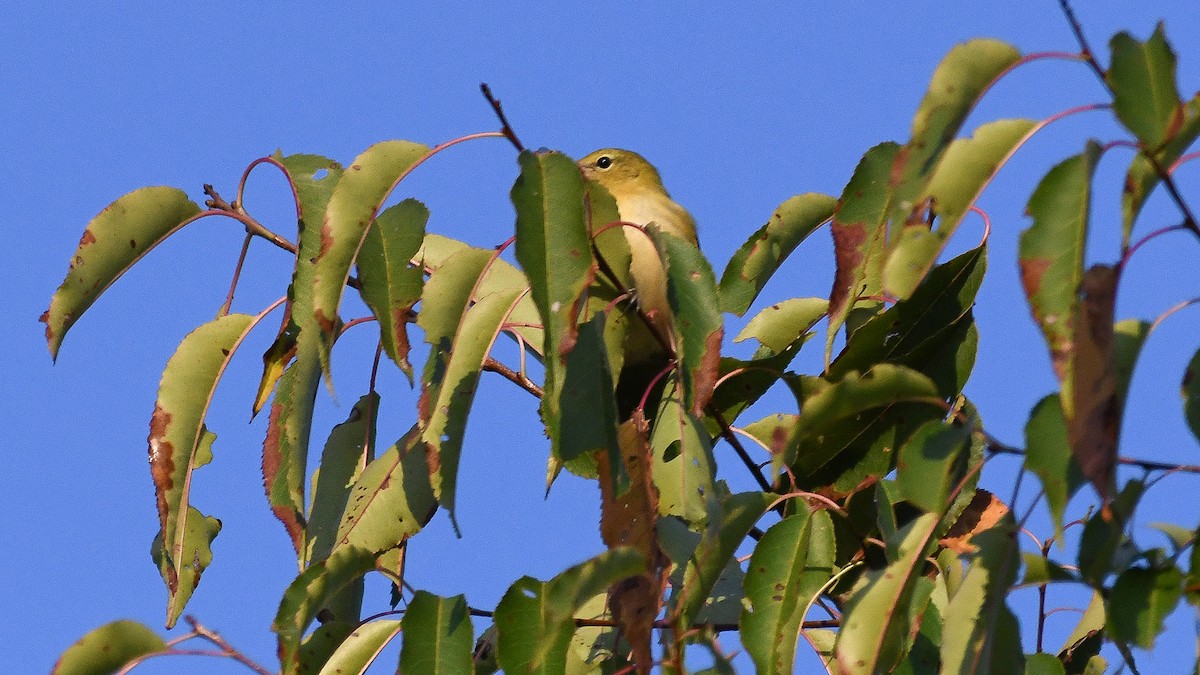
859	234
113	241
179	443
1095	421
629	519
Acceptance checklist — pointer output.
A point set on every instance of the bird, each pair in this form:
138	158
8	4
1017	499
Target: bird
641	199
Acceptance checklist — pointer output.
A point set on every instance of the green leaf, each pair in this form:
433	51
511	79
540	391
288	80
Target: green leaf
726	528
1051	256
683	469
535	619
108	649
753	264
915	332
779	325
931	464
854	397
589	410
113	241
448	389
391	500
1048	454
555	251
1040	570
1083	644
966	169
1128	337
1142	77
859	236
692	292
977	620
525	320
1140	601
1043	664
1190	390
438	636
355	200
285	448
351	444
876	620
179	443
790	565
1142	176
1104	547
391	283
324	640
309	592
360	649
961	79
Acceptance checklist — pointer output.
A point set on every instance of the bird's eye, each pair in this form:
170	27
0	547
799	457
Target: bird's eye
604	162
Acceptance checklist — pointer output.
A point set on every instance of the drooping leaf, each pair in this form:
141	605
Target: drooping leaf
391	283
876	620
628	519
1095	423
360	649
1051	255
391	500
960	80
351	445
318	646
684	468
554	249
692	293
931	464
790	565
535	619
757	259
967	167
1142	78
108	649
438	636
725	530
352	206
1143	176
859	236
588	407
309	592
1140	601
179	443
285	449
1043	664
112	243
1048	454
1040	570
977	620
447	395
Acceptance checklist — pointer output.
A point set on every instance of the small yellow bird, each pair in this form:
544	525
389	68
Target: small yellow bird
641	199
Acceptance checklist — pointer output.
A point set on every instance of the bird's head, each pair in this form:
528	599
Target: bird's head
620	171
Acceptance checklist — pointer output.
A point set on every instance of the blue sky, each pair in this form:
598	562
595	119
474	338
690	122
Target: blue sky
739	108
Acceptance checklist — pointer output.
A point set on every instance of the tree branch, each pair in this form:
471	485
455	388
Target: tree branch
506	128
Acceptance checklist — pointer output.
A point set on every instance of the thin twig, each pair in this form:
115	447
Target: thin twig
733	440
227	648
513	376
1148	465
217	203
506	128
237	274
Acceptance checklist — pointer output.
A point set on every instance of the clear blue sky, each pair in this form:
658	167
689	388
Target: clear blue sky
739	108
